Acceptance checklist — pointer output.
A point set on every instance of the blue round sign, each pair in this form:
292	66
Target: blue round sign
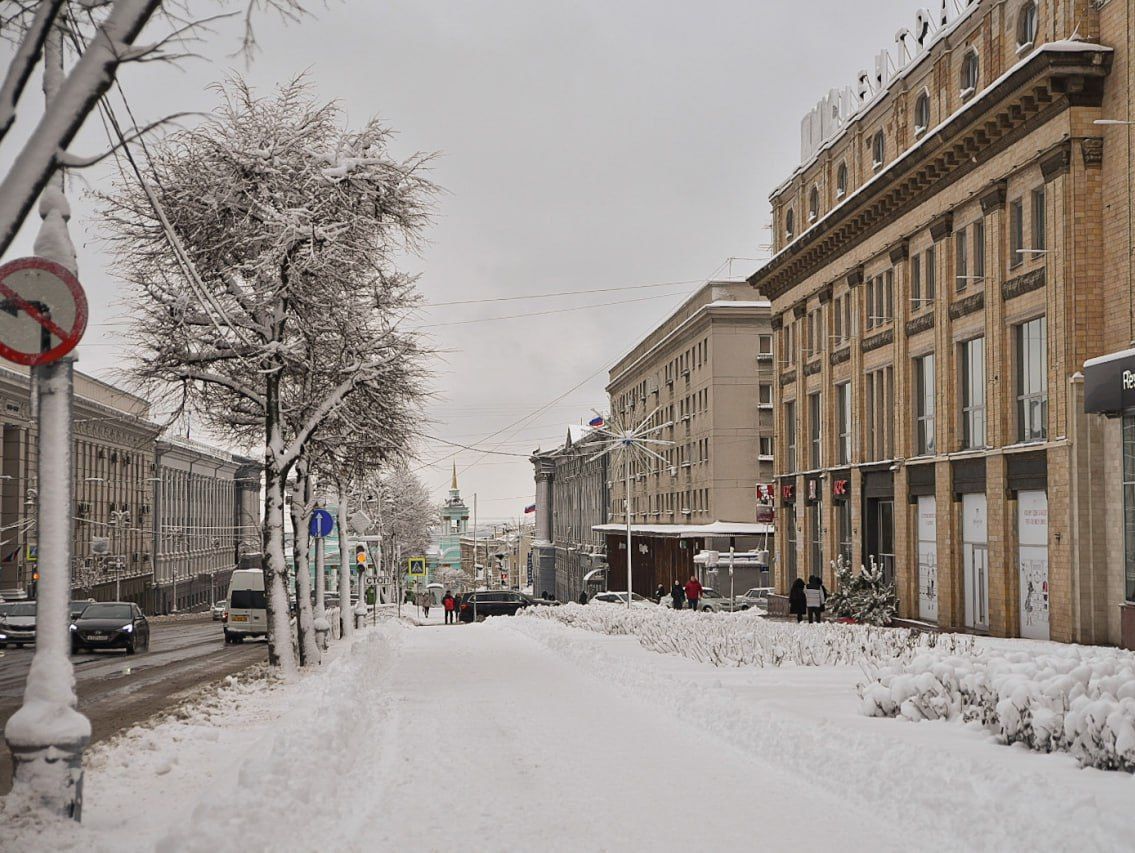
321	523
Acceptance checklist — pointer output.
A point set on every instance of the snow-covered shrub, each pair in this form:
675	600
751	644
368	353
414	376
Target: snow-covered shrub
745	639
1077	699
865	597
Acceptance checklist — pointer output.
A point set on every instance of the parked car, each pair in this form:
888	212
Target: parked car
17	624
711	600
757	597
494	603
110	625
247	606
637	601
218	610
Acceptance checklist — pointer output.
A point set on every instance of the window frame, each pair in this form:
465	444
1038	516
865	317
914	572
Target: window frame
1016	221
762	350
1038	223
961	259
1031	380
979	251
843	422
972	396
922	105
790	436
971	62
814	203
915	281
789	225
815	431
1028	20
841	179
878	150
925	381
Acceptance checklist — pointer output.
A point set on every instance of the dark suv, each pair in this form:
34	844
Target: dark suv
494	603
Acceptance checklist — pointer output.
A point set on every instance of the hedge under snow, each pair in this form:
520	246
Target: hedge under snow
746	639
1076	699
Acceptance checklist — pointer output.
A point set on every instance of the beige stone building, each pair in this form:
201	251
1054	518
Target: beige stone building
954	246
707	370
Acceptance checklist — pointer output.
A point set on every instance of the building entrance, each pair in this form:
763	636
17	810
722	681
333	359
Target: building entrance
927	558
1032	536
975	554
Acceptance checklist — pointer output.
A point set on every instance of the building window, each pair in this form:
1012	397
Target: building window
789	226
878	149
843	516
1129	502
764	394
930	274
1016	233
1026	26
973	393
790	436
817	525
1032	381
843	405
880	385
814	204
915	282
766	446
764	346
790	543
789	339
922	113
814	428
961	258
1038	223
841	181
880	299
841	319
924	404
970	73
979	250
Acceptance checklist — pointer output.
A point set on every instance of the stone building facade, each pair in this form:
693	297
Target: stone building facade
942	272
572	502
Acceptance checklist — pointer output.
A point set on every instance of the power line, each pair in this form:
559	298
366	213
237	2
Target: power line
546	313
562	293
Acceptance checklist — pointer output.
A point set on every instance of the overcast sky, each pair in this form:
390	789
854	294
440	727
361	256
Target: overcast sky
583	145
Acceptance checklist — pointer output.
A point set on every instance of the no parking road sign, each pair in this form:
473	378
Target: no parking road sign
43	311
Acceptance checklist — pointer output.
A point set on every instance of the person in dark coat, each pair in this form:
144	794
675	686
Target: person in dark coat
658	593
449	603
583	597
815	596
678	594
797	600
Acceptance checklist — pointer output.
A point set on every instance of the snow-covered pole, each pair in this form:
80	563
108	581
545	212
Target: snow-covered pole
346	617
46	736
627	509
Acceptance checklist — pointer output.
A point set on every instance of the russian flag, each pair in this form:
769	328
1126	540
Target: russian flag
597	421
529	508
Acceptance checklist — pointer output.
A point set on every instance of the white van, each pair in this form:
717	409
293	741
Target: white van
247	613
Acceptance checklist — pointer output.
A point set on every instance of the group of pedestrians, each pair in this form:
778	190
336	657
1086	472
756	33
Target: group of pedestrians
808	599
688	595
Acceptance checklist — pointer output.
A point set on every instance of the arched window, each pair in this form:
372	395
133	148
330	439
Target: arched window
841	181
922	113
1026	25
878	149
789	225
970	73
814	204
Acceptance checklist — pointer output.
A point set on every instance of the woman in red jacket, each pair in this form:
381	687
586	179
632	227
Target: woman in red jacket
450	604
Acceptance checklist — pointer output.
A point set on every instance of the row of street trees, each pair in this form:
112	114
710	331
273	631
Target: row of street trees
262	246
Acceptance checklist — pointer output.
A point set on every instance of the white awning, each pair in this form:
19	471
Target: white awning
691	531
594	575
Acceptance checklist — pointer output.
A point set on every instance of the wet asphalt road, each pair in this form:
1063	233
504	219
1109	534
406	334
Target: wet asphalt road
116	691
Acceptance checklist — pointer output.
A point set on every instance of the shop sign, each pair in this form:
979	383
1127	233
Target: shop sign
1109	383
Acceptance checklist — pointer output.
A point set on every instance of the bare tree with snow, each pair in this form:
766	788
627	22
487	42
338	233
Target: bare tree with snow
102	35
266	222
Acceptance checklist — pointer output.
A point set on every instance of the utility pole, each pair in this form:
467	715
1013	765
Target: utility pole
474	556
47	736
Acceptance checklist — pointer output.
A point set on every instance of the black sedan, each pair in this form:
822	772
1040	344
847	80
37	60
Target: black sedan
498	603
110	625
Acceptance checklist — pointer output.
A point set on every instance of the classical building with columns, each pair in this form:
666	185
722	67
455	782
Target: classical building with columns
569	554
952	249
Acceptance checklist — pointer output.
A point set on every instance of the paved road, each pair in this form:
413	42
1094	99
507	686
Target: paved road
116	691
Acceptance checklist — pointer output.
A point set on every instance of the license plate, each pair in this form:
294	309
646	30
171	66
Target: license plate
240	618
96	635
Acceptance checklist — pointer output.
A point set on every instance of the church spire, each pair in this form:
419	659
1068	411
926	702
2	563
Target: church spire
453	486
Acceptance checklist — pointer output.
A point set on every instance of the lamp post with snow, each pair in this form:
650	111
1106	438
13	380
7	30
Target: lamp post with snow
629	441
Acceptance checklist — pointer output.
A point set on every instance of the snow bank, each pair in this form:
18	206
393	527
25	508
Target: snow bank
746	639
1075	699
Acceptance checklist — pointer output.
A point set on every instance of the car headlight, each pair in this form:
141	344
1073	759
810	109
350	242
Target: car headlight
73	628
127	628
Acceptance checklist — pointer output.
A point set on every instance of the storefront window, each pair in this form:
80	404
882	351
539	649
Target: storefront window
843	513
817	540
790	542
1129	502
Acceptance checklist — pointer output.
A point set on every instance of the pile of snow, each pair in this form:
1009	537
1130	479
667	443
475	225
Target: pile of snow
1069	699
746	639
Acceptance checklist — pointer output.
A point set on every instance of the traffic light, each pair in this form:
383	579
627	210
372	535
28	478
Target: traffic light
361	557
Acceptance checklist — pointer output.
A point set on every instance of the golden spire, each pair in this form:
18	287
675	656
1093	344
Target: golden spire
453	486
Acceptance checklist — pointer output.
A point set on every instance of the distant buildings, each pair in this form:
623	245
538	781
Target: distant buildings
454	522
150	517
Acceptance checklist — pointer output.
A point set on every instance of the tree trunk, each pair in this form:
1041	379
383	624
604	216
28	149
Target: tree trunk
346	614
280	652
301	517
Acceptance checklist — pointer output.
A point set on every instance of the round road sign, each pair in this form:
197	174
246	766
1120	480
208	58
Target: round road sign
43	311
321	523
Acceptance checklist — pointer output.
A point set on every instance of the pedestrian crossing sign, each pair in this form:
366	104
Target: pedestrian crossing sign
417	565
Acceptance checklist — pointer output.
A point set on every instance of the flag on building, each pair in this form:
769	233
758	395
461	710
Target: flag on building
529	508
597	421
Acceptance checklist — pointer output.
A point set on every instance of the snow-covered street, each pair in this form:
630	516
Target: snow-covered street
523	733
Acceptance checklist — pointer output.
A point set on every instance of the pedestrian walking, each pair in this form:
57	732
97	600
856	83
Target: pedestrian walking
659	593
583	597
449	603
693	591
815	595
426	600
797	600
678	595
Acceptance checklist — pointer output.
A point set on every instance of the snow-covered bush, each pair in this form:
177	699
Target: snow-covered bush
747	639
1078	700
865	597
